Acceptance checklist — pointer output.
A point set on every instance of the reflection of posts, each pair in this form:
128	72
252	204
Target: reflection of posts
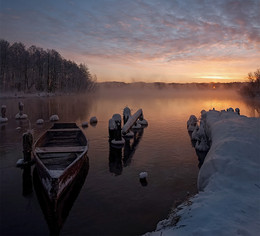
27	146
129	150
27	181
115	160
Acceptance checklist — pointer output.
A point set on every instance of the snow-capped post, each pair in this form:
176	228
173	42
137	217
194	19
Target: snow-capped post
111	129
117	132
20	115
142	178
126	114
20	106
27	146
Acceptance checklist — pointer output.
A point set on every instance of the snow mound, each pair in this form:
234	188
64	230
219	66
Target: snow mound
201	145
228	202
39	121
130	134
54	118
2	120
192	123
116	117
118	142
19	116
143	175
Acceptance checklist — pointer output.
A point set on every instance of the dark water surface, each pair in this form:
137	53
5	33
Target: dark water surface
108	198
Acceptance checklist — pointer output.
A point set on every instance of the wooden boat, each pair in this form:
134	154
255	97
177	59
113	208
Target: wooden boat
56	214
59	154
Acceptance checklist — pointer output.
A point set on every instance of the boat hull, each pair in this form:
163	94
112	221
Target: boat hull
59	157
55	187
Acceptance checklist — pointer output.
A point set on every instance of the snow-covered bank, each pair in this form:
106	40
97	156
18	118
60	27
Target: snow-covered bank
228	202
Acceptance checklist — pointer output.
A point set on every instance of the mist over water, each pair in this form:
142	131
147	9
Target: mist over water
112	200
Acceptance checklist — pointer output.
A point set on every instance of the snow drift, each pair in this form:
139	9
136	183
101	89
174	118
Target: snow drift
228	202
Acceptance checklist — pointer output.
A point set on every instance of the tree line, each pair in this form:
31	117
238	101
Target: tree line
35	69
252	88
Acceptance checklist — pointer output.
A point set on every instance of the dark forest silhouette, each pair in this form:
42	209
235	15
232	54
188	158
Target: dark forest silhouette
252	88
35	69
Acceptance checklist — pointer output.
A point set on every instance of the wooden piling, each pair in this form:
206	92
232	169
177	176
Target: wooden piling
27	146
126	114
3	111
20	106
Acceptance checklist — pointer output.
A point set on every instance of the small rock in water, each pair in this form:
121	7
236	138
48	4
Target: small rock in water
142	178
54	118
39	121
84	124
143	175
18	128
93	120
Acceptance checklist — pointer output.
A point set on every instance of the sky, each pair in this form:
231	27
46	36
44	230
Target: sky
143	40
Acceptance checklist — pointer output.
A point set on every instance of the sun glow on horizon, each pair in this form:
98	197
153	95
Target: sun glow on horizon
214	77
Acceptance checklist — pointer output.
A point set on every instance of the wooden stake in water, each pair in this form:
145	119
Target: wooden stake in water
3	111
20	106
27	146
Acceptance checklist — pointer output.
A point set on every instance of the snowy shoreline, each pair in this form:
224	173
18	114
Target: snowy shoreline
228	202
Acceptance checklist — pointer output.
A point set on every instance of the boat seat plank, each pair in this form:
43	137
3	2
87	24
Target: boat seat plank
58	162
64	130
56	155
59	149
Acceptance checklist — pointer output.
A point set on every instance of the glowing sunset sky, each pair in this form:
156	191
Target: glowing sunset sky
135	40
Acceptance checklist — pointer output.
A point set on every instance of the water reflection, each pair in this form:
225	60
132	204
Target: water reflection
27	181
129	149
56	214
115	160
253	106
115	153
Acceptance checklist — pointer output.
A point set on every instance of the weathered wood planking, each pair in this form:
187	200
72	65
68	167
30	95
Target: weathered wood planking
60	149
64	130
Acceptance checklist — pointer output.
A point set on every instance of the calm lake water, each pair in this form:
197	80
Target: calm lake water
108	199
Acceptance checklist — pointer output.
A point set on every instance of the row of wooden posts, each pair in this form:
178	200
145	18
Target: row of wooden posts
115	130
